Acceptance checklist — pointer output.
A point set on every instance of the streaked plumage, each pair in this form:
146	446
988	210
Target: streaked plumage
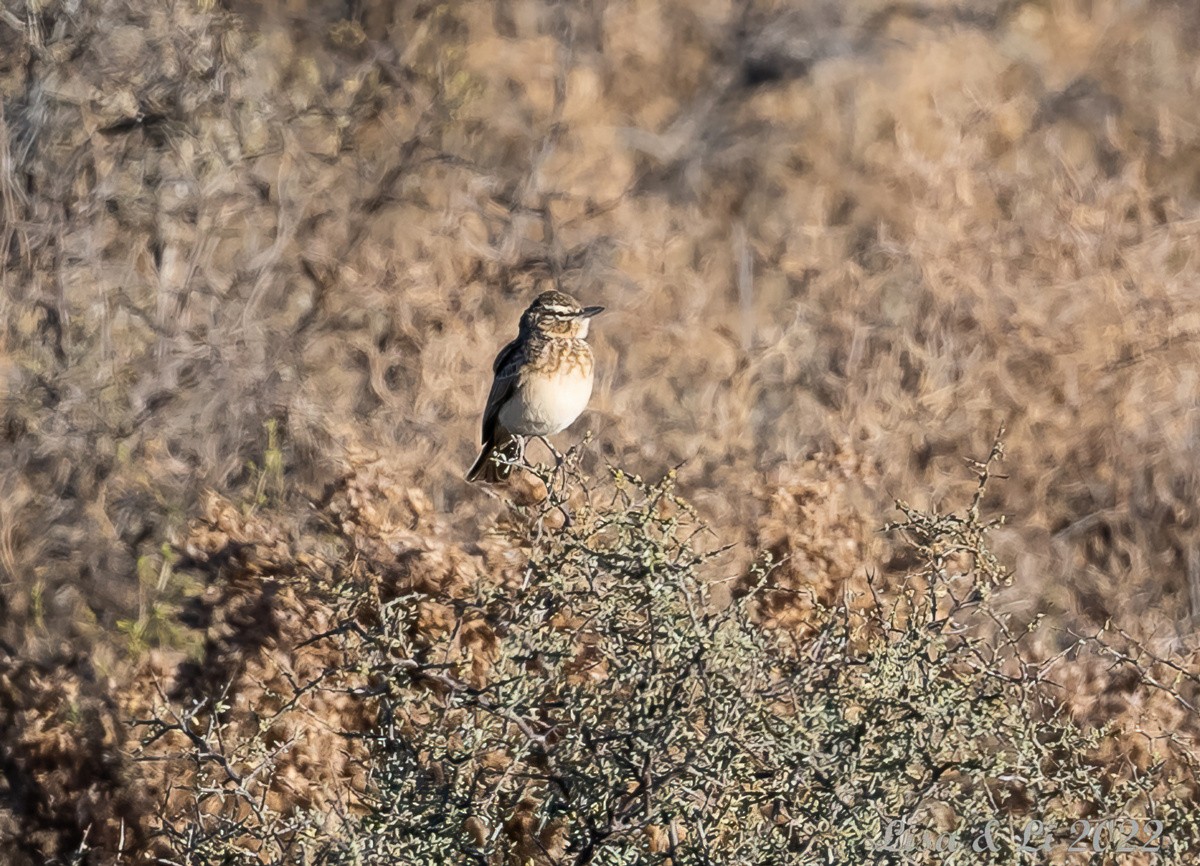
543	380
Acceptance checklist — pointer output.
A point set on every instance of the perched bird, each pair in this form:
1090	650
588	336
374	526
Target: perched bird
543	381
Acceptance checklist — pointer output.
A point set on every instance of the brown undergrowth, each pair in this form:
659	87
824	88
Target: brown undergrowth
595	700
256	258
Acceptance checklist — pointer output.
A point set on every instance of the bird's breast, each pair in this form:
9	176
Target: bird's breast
546	402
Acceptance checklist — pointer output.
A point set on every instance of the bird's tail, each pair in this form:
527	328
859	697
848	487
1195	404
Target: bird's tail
486	469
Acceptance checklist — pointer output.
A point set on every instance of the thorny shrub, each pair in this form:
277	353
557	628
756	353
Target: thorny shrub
603	708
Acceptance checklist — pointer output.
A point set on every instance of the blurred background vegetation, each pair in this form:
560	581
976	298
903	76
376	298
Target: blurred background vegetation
256	260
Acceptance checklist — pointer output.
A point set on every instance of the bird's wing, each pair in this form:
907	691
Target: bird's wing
506	355
507	368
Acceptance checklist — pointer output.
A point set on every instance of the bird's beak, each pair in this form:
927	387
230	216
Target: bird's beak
588	312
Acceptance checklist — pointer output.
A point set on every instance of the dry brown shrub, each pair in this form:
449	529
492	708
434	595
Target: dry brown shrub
888	225
68	782
278	705
255	679
815	538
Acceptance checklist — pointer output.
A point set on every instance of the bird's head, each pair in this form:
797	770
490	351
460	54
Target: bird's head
556	314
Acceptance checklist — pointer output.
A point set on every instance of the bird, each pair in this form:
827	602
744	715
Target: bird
542	382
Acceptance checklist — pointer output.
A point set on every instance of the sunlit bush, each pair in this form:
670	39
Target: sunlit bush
605	707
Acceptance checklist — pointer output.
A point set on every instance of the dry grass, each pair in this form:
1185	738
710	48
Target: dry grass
840	244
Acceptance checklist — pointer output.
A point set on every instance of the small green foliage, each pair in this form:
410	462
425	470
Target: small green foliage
608	710
267	479
162	592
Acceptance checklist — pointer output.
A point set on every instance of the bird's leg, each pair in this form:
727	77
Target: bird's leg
558	465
